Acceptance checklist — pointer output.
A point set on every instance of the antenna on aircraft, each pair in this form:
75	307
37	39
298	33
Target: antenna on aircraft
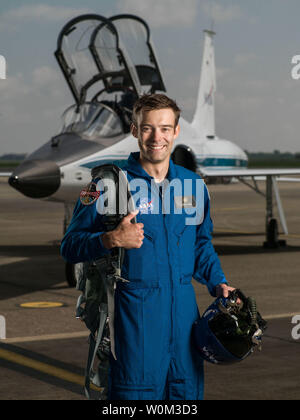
211	17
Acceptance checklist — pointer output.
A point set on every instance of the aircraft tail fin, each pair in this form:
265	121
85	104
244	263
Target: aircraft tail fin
204	118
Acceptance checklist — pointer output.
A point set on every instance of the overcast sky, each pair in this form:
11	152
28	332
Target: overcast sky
257	102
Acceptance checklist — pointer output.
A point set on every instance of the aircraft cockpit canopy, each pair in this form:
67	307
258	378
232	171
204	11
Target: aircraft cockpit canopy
74	56
110	62
92	121
116	52
135	35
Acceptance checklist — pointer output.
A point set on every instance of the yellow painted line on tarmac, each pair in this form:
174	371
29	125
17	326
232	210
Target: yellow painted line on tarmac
234	208
59	373
41	367
291	235
240	232
41	305
243	232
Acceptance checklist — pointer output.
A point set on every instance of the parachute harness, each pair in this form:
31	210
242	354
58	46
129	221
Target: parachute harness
96	306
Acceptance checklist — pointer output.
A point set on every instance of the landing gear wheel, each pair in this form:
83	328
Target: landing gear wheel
73	273
272	236
226	180
272	233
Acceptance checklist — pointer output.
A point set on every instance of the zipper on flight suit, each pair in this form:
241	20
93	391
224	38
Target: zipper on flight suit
161	195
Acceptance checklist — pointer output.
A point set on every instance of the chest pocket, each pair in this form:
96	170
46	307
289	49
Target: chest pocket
186	238
140	265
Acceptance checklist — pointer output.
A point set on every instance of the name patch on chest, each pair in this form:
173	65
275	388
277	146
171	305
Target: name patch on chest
185	201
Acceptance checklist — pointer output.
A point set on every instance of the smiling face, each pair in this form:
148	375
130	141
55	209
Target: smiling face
156	132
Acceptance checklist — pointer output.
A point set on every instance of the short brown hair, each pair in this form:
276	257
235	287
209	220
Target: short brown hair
153	102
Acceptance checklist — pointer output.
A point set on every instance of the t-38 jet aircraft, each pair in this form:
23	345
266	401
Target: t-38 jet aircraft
108	64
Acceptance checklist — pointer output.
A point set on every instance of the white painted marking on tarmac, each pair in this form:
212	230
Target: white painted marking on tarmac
82	334
280	316
46	337
11	260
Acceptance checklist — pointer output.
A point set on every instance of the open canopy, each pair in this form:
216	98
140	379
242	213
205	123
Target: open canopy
101	56
74	56
135	35
92	121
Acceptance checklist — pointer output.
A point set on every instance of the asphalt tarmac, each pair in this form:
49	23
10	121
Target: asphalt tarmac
44	354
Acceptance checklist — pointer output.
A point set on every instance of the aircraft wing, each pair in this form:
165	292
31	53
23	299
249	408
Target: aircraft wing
238	173
5	174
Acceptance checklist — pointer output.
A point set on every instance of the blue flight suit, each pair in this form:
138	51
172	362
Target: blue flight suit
155	311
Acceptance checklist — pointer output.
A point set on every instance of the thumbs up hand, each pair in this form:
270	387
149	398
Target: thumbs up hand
126	235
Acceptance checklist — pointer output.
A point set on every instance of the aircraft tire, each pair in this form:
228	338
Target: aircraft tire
273	231
227	180
272	236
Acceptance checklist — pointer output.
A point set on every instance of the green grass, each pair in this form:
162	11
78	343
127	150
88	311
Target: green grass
272	163
253	163
9	164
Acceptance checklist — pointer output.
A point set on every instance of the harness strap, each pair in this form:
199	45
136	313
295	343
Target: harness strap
109	269
90	375
111	283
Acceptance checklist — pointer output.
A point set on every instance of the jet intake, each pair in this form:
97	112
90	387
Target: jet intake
184	156
36	178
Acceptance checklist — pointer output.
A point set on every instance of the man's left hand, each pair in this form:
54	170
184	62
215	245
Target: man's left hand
223	290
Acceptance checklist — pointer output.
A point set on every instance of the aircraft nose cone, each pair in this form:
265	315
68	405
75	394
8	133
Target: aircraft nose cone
36	178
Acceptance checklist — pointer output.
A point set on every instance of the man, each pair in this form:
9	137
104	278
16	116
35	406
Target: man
155	310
